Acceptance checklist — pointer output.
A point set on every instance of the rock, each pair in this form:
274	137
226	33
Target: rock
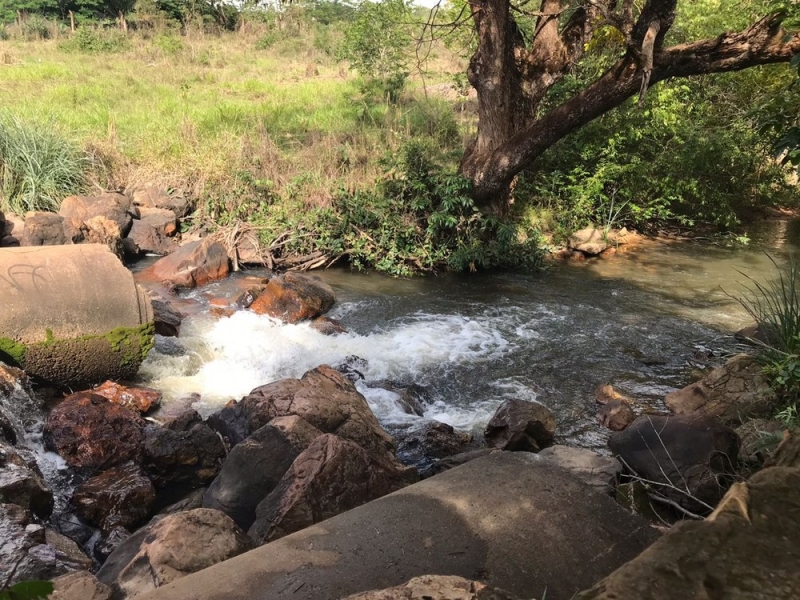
255	466
692	453
137	398
634	497
112	206
174	547
87	430
421	444
323	397
162	220
182	455
80	585
757	435
520	425
411	396
327	326
748	548
149	240
590	241
13	226
166	316
437	587
154	197
353	368
331	476
604	394
21	482
25	551
787	454
192	500
109	541
734	392
119	497
600	472
104	231
616	415
194	264
294	297
450	462
67	551
43	229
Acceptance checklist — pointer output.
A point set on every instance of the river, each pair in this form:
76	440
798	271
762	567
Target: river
643	321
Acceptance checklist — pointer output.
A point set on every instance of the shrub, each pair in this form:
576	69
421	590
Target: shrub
168	44
96	41
38	166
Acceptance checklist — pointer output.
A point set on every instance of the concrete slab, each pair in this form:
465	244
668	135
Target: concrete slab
508	519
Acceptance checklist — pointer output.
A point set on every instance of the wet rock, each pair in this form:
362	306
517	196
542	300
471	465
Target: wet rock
733	392
87	430
67	551
25	551
450	462
421	444
437	587
162	220
21	482
604	394
149	240
43	229
255	466
192	500
748	548
331	476
182	455
323	397
166	317
520	425
109	541
112	206
327	326
352	367
155	197
690	458
119	497
137	398
600	472
616	415
192	265
294	297
80	585
757	437
412	397
172	548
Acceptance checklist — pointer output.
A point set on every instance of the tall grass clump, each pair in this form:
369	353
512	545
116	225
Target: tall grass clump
775	307
96	41
38	166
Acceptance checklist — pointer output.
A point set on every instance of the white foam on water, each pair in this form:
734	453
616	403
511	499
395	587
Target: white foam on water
227	358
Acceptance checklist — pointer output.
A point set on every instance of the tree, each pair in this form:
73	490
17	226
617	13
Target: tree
513	71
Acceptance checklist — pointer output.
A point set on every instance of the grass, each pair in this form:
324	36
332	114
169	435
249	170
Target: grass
192	111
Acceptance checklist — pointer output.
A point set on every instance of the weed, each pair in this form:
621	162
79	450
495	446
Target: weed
96	41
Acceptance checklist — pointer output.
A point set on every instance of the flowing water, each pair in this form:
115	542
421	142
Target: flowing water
641	321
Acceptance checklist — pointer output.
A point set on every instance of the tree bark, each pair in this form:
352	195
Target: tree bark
512	78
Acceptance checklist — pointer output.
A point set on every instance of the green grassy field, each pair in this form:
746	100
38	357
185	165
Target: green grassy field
192	111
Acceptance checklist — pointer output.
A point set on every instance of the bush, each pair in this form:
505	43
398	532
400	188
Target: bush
96	41
38	166
170	45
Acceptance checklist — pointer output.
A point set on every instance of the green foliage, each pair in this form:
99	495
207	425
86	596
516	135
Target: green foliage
27	590
96	41
377	44
171	45
38	166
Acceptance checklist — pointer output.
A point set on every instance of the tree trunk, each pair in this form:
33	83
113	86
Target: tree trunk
512	77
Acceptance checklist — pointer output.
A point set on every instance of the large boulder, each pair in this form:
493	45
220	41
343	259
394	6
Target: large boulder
80	585
182	455
748	548
688	459
162	220
171	548
437	587
323	397
734	392
520	425
294	297
331	476
149	240
21	482
600	472
43	229
421	444
155	197
112	206
193	264
255	466
87	430
134	397
119	497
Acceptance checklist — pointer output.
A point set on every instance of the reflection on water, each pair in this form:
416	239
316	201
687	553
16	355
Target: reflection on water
641	321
